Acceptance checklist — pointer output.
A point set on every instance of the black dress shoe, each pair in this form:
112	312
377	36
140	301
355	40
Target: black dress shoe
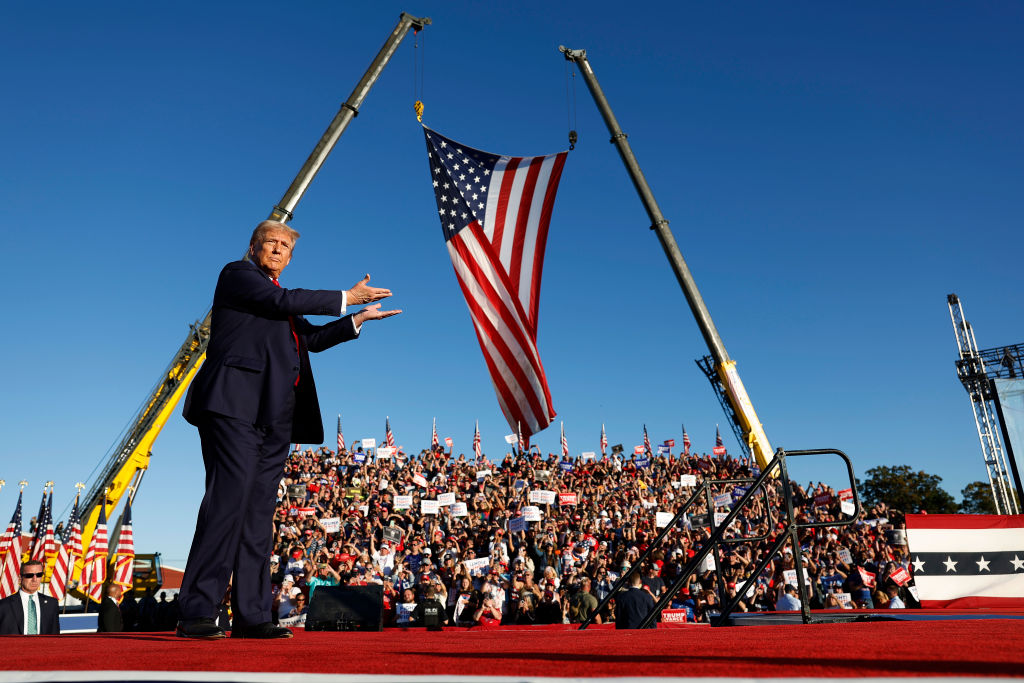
206	629
264	631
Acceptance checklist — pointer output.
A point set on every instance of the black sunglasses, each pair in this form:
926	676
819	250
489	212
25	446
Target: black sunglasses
37	575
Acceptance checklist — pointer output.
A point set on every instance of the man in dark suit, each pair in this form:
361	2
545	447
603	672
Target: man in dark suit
29	612
252	398
633	604
110	612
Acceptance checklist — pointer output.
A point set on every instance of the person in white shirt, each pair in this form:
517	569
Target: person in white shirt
29	612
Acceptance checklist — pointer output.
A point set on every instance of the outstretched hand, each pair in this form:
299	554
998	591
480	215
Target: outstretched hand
373	313
362	293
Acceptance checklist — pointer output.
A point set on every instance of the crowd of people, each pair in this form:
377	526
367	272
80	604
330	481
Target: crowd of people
542	540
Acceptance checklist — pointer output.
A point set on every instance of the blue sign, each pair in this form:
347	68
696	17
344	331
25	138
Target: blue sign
643	461
565	466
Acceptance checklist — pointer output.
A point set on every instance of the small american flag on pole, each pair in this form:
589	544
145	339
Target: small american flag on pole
44	547
495	211
69	553
434	443
719	448
604	442
341	437
686	442
565	444
10	554
476	442
124	554
94	571
389	438
647	443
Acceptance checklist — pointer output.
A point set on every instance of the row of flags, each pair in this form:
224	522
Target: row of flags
523	442
45	548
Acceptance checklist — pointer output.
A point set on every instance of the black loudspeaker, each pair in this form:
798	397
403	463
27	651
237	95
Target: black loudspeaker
346	608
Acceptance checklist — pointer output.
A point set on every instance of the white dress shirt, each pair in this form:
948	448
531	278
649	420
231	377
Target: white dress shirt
25	598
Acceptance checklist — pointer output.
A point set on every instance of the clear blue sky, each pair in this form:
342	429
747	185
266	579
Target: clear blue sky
830	173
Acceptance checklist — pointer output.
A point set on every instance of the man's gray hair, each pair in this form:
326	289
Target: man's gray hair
260	233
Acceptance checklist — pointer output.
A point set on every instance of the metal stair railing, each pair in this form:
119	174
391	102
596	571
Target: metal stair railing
790	534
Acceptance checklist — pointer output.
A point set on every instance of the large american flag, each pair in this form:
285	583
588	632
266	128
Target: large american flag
565	443
389	438
10	554
434	443
476	442
70	551
124	554
647	443
94	570
495	212
604	442
686	442
44	546
341	437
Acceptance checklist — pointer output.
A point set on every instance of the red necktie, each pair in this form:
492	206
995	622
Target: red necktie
295	336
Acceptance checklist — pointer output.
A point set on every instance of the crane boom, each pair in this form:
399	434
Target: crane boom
130	458
725	368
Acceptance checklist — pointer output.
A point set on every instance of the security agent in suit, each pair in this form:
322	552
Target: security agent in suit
633	604
16	610
253	397
110	611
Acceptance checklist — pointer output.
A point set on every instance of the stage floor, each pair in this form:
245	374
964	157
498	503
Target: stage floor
949	647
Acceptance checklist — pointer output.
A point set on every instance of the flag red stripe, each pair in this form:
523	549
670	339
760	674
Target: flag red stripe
508	177
975	602
494	337
499	306
965	521
542	237
515	267
511	319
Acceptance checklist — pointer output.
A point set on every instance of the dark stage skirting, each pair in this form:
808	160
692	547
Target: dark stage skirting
948	647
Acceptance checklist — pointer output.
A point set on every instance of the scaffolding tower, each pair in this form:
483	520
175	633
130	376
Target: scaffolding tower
976	370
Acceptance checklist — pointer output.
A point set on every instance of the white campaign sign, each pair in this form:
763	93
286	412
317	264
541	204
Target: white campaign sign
531	513
847	507
588	455
446	498
720	517
510	438
477	565
369	443
688	479
429	507
480	474
386	451
459	510
662	519
331	525
403	502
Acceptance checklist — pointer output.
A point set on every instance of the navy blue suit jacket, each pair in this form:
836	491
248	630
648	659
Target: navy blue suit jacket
12	616
251	362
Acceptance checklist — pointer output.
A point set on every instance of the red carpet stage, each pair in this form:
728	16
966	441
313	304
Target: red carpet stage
960	648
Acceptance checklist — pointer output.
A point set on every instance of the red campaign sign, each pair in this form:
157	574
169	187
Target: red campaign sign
671	443
867	577
845	494
718	450
638	450
900	576
448	441
673	616
822	499
567	499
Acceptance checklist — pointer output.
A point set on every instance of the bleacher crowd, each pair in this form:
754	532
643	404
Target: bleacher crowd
447	528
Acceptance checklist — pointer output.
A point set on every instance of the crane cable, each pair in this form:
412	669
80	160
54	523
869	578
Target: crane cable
570	106
418	62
